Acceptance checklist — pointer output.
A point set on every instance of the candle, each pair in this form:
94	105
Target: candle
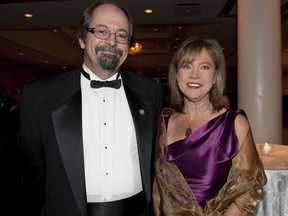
267	148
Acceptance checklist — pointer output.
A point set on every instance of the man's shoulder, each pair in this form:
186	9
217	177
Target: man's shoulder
55	85
53	80
144	87
139	79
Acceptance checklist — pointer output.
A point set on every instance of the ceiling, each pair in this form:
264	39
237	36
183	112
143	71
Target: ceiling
48	39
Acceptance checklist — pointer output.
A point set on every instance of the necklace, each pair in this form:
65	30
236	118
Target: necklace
189	130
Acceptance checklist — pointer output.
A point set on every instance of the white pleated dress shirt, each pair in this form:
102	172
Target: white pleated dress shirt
112	169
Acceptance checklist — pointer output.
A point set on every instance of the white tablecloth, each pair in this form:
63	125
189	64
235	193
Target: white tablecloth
275	192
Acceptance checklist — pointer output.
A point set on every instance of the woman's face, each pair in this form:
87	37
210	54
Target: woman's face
195	79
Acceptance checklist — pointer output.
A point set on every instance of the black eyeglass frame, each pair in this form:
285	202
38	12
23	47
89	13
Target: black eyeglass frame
93	31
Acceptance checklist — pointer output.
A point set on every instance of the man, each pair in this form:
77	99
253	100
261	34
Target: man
91	147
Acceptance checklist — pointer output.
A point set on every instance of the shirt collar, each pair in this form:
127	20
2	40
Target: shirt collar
95	77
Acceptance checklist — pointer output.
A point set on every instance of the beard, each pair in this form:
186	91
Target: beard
107	61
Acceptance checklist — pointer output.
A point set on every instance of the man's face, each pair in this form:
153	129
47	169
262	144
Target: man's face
106	55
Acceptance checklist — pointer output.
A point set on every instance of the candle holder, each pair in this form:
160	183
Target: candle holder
266	149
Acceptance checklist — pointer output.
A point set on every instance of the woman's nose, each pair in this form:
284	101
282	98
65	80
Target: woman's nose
194	73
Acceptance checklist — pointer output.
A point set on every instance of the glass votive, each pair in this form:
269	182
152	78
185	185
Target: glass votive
266	149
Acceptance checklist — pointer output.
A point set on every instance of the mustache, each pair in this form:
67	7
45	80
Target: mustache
109	49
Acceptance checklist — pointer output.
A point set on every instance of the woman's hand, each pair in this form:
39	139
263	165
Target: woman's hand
233	210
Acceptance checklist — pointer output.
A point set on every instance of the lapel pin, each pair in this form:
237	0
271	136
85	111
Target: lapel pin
141	111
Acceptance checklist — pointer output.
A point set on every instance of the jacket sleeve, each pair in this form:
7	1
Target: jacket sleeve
31	151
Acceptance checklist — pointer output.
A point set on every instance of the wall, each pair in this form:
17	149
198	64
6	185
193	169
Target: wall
14	75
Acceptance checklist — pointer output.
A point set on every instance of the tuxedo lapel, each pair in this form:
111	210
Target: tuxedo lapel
67	121
141	111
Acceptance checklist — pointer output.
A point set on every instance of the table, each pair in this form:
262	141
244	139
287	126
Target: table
275	192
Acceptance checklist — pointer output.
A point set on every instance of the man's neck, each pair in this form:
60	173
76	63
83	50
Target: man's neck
102	74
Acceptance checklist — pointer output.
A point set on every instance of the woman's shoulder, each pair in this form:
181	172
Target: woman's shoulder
168	115
167	111
239	115
236	112
242	126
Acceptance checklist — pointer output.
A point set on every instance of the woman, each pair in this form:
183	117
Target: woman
206	159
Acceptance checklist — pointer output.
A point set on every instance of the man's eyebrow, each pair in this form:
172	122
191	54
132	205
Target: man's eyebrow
104	26
101	25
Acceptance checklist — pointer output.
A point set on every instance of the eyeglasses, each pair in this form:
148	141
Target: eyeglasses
103	33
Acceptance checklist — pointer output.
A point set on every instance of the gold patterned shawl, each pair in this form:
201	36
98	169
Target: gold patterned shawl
173	196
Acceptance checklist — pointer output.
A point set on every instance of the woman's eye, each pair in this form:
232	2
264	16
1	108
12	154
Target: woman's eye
186	66
205	67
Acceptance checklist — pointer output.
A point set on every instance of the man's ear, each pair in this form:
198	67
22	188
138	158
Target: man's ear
81	43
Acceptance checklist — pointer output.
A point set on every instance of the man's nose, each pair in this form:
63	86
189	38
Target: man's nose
111	39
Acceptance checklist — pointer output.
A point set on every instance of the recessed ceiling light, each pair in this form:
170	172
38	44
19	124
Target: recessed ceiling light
148	11
177	39
21	54
28	15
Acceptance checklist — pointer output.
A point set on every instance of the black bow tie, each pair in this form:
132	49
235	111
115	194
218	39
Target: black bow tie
99	84
112	84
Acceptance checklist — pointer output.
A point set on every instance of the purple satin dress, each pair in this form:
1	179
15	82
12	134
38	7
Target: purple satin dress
205	156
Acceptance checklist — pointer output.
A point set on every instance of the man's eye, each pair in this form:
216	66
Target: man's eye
122	36
101	32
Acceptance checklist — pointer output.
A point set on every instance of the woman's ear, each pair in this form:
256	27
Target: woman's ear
214	80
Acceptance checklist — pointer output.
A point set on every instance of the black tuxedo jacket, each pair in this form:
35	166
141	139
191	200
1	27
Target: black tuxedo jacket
51	137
